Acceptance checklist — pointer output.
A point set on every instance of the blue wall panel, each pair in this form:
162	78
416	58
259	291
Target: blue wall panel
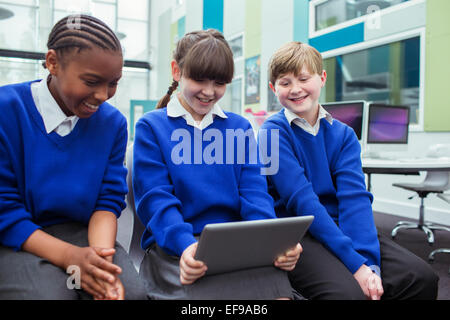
340	38
213	14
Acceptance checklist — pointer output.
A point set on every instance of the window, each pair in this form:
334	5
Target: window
26	24
22	18
17	70
232	100
237	47
328	13
388	73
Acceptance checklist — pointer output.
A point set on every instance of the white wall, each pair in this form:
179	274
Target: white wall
277	28
160	19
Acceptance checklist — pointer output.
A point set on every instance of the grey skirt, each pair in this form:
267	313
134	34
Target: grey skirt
24	276
162	275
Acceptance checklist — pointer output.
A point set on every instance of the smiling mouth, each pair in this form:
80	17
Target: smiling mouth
298	99
92	107
206	101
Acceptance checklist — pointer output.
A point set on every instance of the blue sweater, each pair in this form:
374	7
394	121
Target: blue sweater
174	198
47	179
322	176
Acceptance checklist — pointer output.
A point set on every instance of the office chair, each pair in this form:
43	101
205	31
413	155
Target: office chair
434	182
135	252
445	197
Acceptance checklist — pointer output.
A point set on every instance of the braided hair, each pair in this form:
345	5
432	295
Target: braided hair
81	32
203	54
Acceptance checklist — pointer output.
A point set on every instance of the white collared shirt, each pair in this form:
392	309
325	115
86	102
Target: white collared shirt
54	118
175	109
302	123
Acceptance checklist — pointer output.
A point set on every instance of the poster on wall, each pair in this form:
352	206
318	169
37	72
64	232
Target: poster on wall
252	79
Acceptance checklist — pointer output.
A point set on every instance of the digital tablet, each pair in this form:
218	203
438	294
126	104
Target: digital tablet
232	246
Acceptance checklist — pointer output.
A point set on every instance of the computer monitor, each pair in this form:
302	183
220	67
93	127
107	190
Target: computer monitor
349	112
387	129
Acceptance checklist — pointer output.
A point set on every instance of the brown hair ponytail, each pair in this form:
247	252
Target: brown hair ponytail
203	54
165	100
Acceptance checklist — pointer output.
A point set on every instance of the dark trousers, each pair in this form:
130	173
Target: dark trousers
24	276
320	275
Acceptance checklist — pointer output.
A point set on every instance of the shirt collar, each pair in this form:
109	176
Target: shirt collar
175	109
49	109
290	116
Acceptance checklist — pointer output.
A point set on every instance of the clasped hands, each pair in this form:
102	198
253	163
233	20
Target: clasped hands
99	276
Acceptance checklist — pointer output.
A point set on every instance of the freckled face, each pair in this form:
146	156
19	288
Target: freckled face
84	80
300	94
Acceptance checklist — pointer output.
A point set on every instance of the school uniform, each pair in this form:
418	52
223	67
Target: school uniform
180	184
323	166
55	171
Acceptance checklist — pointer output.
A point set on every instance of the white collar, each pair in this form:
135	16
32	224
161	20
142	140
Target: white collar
49	109
175	109
290	116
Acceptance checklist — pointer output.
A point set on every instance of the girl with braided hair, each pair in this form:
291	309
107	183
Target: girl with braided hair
62	179
176	199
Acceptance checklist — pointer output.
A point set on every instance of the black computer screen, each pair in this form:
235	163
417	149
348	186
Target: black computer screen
388	124
350	113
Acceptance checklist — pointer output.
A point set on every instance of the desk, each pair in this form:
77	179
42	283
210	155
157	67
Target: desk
403	166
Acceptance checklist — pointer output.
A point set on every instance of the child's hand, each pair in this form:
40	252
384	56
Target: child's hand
93	267
114	291
369	282
288	260
191	269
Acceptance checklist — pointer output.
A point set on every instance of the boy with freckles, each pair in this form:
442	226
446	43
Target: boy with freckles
320	174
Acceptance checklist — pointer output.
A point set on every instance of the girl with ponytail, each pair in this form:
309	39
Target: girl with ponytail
177	196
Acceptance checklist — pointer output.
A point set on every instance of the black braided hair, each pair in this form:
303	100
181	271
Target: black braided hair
80	32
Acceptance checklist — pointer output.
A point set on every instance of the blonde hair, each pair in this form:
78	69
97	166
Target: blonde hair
203	54
291	58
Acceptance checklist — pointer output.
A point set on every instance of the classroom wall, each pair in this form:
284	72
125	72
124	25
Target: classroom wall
437	112
267	24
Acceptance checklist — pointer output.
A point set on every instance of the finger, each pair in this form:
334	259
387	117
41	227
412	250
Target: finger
373	291
191	262
187	278
294	251
287	259
120	290
105	252
288	266
93	287
192	271
101	275
380	289
92	292
107	266
112	292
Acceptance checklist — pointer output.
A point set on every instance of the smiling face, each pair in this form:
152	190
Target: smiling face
84	80
198	96
300	93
